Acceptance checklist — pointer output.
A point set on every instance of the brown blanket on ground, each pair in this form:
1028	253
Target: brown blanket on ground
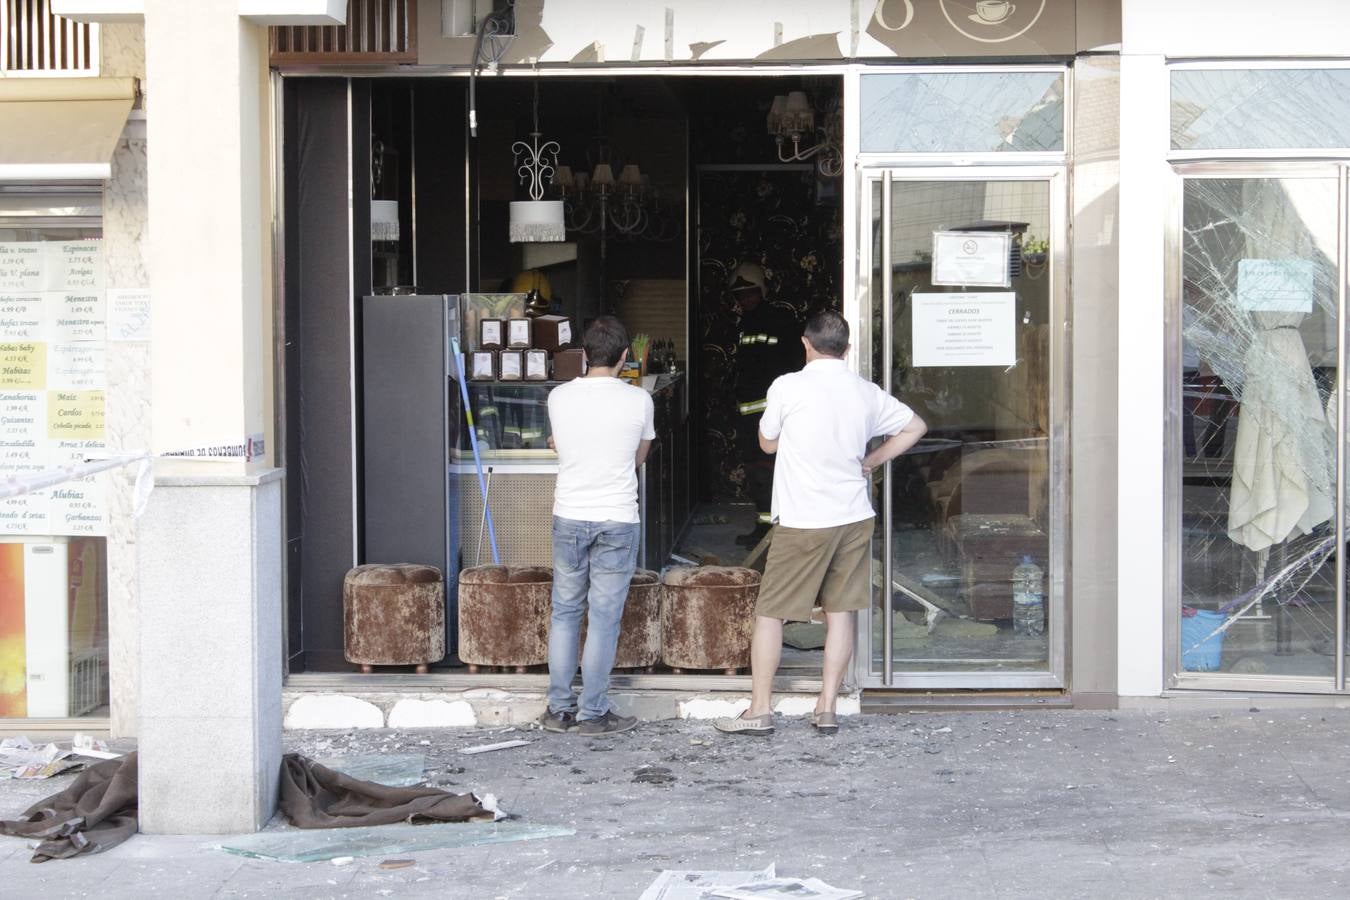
314	796
96	812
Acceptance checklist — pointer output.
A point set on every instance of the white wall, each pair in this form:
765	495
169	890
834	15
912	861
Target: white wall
1144	177
1193	28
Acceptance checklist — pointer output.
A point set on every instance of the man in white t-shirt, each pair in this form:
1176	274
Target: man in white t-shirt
819	422
602	430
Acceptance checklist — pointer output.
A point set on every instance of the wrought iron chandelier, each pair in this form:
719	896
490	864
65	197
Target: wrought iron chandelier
536	219
792	118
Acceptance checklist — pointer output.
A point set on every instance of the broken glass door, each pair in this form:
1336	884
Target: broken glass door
967	312
1261	305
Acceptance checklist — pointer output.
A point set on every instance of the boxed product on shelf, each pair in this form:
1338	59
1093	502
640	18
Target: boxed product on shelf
482	365
518	334
491	334
552	333
568	364
536	365
510	365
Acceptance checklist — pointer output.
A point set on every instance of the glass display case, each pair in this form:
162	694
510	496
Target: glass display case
510	419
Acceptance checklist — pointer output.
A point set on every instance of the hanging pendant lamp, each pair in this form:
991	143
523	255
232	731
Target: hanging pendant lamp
536	220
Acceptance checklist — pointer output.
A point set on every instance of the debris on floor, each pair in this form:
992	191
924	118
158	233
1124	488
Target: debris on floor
389	769
96	812
804	635
794	888
680	884
488	748
382	840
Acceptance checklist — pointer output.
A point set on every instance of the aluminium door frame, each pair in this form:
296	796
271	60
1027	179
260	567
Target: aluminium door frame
886	170
1242	167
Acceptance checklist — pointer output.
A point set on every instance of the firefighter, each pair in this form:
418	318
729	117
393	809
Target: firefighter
769	345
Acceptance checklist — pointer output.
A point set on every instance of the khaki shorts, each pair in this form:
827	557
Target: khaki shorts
832	564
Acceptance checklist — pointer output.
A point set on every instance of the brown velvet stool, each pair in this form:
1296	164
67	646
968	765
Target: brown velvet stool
708	617
393	615
503	616
640	627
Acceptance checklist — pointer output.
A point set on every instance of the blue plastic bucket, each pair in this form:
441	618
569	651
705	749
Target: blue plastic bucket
1206	656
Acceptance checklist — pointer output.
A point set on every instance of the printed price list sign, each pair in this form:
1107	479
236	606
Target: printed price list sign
53	375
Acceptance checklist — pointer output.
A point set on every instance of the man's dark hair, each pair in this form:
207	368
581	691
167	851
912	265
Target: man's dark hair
605	340
827	331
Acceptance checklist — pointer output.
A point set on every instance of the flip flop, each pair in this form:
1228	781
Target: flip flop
824	722
756	725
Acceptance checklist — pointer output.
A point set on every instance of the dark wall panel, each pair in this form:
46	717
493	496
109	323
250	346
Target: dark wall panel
439	127
320	304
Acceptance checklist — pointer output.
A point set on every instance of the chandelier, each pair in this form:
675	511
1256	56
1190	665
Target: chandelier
792	118
536	219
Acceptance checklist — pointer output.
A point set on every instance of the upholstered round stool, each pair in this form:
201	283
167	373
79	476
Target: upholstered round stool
640	627
503	616
708	617
393	615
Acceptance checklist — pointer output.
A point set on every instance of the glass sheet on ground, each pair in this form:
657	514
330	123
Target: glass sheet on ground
1258	422
391	769
317	845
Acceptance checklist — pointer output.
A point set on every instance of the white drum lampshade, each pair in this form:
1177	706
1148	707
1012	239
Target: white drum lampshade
534	221
384	220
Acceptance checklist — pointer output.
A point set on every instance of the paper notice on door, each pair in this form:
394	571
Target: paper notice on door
971	258
75	267
964	329
1276	285
76	317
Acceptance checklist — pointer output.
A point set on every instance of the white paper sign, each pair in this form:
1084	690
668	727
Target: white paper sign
76	317
964	329
23	267
128	314
75	267
1276	285
77	367
22	317
971	258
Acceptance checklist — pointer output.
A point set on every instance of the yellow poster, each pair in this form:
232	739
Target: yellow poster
13	656
75	415
23	366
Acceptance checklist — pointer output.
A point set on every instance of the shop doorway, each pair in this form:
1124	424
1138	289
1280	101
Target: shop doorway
1257	449
967	318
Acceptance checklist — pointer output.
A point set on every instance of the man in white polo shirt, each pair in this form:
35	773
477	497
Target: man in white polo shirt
602	430
819	422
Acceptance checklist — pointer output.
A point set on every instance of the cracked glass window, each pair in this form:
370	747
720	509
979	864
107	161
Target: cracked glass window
1259	109
970	112
1258	375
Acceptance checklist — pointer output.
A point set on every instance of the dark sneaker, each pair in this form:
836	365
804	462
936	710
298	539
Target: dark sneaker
560	722
606	725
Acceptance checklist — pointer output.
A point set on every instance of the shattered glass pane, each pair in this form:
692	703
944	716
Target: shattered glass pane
972	112
1260	109
1259	349
300	845
392	769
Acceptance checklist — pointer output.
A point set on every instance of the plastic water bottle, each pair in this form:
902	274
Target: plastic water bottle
1028	599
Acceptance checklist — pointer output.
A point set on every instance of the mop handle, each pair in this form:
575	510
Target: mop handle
473	442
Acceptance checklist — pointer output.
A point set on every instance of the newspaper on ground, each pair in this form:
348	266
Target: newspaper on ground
683	884
19	758
794	888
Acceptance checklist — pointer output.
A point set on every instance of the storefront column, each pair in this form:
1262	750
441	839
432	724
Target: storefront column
1144	178
210	539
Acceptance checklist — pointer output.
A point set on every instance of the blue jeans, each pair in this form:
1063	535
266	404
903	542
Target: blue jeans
593	564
